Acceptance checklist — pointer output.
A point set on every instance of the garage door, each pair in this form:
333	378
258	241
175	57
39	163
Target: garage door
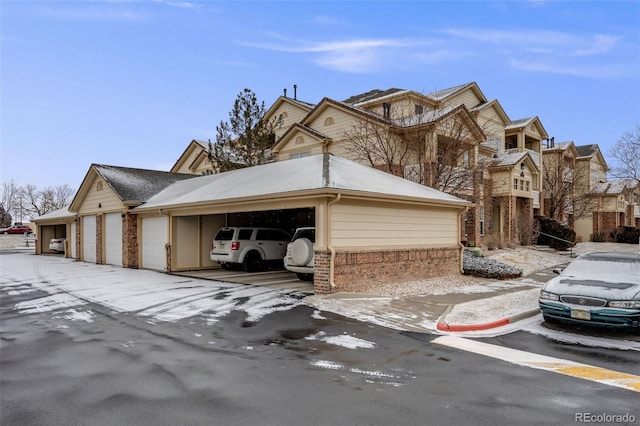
71	241
154	238
113	243
89	239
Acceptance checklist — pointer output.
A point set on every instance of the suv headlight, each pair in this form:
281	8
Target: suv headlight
548	296
629	304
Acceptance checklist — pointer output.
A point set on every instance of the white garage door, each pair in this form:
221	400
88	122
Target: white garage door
72	241
89	239
113	242
154	238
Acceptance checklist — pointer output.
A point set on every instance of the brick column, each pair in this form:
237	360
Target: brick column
99	259
130	241
321	284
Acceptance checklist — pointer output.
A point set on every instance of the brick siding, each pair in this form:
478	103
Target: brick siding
130	241
358	271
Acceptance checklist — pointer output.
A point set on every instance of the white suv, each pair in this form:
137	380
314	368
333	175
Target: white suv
299	258
250	247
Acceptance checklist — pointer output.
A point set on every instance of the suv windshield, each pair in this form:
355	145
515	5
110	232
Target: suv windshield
309	234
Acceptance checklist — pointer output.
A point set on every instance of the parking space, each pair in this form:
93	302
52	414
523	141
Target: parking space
280	279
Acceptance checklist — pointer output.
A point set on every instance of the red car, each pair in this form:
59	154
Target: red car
17	229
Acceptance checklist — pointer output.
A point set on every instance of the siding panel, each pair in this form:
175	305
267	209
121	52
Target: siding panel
375	225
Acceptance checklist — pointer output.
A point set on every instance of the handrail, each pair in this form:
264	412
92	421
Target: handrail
560	239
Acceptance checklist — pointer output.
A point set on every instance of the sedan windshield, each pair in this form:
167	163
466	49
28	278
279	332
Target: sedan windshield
622	270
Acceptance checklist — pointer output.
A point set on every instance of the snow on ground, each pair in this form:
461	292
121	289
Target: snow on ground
484	310
156	296
343	340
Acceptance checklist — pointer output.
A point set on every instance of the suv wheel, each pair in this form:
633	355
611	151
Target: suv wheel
252	262
304	277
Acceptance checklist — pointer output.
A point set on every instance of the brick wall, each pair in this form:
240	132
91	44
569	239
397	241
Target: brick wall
357	271
130	241
605	222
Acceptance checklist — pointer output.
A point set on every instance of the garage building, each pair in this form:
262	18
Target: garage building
371	226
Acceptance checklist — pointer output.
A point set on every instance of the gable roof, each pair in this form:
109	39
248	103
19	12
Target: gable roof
587	150
132	186
496	106
315	175
590	151
305	106
295	128
194	145
508	159
440	95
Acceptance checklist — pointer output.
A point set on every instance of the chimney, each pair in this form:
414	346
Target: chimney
295	92
285	92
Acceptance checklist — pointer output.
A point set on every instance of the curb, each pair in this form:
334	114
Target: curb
444	326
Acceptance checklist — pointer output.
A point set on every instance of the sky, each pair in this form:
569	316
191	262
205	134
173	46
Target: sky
131	83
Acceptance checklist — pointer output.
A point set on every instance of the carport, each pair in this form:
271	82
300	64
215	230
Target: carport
370	226
57	224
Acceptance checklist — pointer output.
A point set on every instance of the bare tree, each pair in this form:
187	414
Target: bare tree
29	202
8	201
246	139
566	188
379	143
626	153
433	147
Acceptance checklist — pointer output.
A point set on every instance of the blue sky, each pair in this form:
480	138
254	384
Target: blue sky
131	83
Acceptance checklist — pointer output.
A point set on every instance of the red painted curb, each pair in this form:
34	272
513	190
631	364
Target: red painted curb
443	326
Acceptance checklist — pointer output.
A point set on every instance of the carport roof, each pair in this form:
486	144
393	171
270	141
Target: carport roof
63	213
323	173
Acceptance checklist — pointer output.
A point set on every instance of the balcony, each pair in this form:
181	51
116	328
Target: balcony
536	199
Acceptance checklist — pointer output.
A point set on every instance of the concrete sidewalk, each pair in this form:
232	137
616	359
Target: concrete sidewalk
468	308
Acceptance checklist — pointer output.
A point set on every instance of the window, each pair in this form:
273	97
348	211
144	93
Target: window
481	220
386	110
515	183
299	155
526	185
245	234
418	109
521	185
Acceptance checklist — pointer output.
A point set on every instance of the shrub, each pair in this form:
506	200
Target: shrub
598	237
558	230
626	234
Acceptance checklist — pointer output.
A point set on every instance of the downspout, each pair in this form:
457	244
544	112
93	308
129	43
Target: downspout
332	251
460	219
167	246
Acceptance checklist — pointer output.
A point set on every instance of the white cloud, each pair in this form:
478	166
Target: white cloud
353	55
590	71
